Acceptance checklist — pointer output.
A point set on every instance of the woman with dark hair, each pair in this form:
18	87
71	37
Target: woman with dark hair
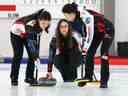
83	26
23	35
103	32
64	53
104	35
72	14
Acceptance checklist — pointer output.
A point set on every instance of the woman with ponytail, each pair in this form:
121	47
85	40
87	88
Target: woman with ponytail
21	36
103	33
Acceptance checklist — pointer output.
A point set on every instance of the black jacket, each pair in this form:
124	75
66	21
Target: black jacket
69	57
102	24
33	33
79	26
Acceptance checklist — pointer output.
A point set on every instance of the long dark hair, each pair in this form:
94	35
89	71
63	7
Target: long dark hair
60	38
44	15
73	8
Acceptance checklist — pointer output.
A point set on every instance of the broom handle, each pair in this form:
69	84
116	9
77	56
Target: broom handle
82	68
36	63
95	76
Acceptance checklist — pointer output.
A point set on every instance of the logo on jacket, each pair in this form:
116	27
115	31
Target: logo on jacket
88	20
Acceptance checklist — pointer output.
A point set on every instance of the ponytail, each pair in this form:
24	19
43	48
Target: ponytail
71	8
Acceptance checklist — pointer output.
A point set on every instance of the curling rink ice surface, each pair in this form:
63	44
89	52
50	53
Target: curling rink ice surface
118	84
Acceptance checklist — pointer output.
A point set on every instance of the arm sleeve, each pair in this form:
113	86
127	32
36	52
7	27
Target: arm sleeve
30	17
27	18
18	28
88	19
77	37
52	53
110	30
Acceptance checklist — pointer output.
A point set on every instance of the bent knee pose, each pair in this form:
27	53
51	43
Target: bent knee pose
103	34
64	52
21	33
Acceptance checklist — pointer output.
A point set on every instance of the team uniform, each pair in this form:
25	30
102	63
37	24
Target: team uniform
65	59
103	34
98	30
28	36
83	34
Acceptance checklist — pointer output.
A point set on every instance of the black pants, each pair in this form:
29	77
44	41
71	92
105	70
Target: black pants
18	48
106	43
67	64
